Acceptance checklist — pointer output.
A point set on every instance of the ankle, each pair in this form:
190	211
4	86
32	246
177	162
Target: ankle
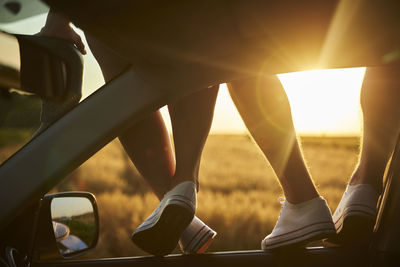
360	177
301	198
177	180
296	192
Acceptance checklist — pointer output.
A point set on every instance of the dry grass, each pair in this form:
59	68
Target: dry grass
238	194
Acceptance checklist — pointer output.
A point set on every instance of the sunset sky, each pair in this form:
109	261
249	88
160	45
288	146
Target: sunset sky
324	102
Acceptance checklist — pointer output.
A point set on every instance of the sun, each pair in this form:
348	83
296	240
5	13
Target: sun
325	101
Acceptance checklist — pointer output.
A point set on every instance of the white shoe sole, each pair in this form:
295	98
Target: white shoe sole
300	237
199	242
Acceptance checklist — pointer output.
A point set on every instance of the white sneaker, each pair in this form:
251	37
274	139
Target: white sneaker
299	224
160	232
196	238
356	213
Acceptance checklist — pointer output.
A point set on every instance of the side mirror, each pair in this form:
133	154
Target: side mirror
68	225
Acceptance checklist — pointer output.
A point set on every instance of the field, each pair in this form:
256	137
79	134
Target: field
239	193
238	198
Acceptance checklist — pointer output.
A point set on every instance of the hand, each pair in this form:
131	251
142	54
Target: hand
58	26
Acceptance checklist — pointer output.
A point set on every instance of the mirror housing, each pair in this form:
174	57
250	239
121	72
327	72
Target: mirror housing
50	68
67	226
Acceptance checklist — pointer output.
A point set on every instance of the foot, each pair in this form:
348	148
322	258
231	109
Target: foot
299	224
355	215
160	232
196	238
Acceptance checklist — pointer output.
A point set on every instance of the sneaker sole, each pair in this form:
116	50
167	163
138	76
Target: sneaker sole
200	243
162	238
300	240
203	248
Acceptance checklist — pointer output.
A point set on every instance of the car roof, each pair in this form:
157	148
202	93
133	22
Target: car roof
12	11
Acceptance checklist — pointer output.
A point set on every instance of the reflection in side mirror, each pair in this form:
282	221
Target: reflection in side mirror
74	223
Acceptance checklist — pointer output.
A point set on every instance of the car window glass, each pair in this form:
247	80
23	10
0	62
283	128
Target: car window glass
21	113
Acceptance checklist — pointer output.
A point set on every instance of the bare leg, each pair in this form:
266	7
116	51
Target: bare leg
191	120
147	142
148	146
264	107
380	102
356	213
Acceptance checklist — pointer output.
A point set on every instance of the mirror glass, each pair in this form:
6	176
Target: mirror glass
74	224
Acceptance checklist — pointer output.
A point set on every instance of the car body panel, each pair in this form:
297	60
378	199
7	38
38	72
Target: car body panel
16	10
303	257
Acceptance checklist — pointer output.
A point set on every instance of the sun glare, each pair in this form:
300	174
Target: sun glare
325	101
